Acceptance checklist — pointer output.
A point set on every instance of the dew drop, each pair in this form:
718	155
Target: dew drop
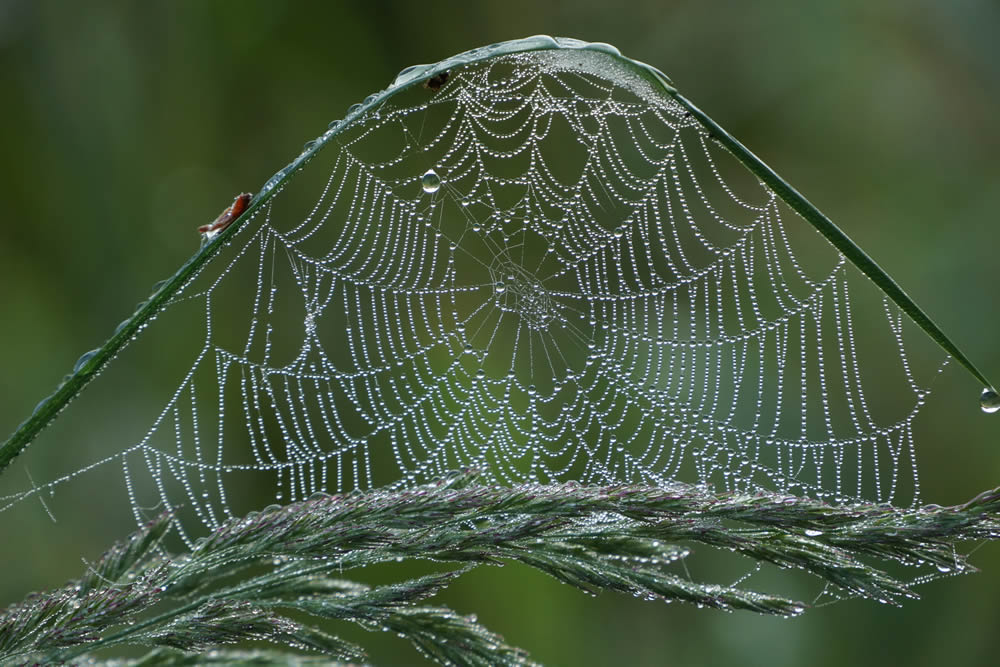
989	400
430	181
87	356
406	70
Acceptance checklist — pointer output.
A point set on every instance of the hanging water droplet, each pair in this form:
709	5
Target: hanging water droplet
430	181
989	400
500	287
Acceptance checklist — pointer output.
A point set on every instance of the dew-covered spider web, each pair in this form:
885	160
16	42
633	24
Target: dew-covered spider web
541	267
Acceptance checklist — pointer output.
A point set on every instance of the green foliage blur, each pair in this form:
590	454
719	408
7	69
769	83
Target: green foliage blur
125	125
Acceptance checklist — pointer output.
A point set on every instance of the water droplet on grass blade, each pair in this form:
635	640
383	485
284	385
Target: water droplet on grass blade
989	400
87	356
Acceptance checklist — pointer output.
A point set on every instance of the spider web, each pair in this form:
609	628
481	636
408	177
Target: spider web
544	269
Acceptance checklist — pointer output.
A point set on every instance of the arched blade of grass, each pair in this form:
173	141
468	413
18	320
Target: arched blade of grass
91	363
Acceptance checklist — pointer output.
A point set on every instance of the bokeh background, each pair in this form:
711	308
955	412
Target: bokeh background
123	126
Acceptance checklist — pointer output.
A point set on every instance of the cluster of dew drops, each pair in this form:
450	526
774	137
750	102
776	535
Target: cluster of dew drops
989	400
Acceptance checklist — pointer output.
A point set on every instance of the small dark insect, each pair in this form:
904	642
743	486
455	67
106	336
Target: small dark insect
226	217
435	82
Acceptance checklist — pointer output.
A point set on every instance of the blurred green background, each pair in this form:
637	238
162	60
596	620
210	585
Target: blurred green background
126	125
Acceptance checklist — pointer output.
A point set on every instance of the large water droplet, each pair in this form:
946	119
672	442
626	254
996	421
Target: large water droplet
430	181
87	356
989	400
